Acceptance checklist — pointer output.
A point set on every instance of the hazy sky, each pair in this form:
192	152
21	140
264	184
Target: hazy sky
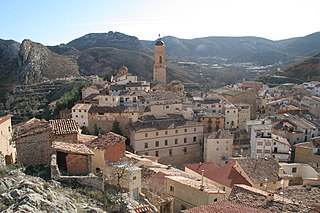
60	21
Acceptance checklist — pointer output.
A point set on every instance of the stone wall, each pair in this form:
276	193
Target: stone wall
77	164
34	150
71	138
163	205
2	160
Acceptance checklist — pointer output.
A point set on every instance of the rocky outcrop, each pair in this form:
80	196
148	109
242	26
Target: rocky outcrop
37	63
23	193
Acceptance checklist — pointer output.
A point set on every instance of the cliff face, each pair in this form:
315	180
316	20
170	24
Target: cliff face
37	63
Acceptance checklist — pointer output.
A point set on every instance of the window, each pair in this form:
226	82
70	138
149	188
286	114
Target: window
217	149
215	200
85	110
183	207
226	148
74	110
76	116
145	145
9	128
267	151
228	111
259	143
176	131
194	139
261	184
170	152
175	141
268	143
146	135
166	132
146	153
259	150
79	110
217	142
294	169
167	107
160	59
185	140
157	154
194	129
166	142
81	116
171	188
134	178
157	133
185	150
185	130
157	143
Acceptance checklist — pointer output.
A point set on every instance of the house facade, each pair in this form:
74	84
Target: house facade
172	138
6	143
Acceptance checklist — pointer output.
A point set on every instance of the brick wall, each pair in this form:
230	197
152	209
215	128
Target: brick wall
115	152
34	150
77	164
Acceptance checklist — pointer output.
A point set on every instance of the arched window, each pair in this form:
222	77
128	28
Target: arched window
160	59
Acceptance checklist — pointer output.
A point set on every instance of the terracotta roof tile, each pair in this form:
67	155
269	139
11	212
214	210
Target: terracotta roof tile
225	175
73	148
258	169
225	206
106	140
30	127
64	126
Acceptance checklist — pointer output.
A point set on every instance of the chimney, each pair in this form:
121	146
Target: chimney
202	184
270	199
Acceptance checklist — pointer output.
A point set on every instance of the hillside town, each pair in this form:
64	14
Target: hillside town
250	147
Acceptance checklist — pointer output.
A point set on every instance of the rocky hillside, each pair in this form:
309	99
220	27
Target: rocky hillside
31	62
37	62
23	193
9	50
243	49
102	53
111	39
306	70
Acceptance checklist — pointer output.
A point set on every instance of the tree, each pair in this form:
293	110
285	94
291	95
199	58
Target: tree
116	128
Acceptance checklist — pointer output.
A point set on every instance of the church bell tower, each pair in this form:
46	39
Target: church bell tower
159	66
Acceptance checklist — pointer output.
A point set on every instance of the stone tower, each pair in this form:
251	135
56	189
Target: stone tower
159	66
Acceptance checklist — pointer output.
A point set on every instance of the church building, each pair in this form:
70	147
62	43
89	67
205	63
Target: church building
159	67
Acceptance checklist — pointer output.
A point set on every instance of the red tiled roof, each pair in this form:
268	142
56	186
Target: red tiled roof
225	206
64	126
74	148
106	140
225	175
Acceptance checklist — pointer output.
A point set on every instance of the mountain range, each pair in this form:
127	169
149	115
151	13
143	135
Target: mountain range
103	53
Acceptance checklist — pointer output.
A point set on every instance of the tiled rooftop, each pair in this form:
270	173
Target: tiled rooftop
257	198
106	140
150	122
64	126
118	109
31	127
73	148
209	188
221	134
258	169
225	206
225	175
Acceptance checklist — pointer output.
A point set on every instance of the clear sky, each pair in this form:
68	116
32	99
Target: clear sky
60	21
